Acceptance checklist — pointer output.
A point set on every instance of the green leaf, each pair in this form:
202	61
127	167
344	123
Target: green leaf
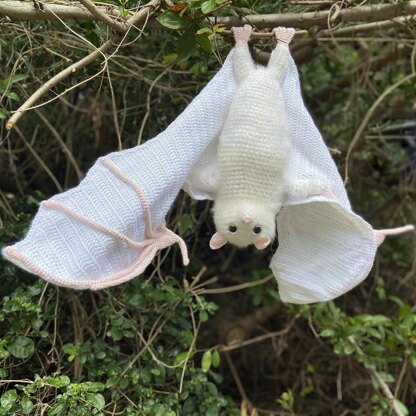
402	407
111	382
5	83
374	349
172	20
206	361
388	378
186	46
36	324
22	347
204	42
7	399
216	359
203	316
60	381
3	114
329	332
16	78
115	333
218	28
13	96
95	399
208	6
27	405
57	409
349	349
180	358
168	59
203	30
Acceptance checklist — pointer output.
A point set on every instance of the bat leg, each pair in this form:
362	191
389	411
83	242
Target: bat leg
305	188
279	58
242	61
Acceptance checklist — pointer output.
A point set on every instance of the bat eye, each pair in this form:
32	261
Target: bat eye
257	229
232	228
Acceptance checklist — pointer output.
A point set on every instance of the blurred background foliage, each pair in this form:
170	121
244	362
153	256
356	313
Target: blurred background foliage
214	338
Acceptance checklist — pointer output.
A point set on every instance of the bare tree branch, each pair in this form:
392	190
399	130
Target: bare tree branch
19	10
140	17
383	386
307	20
103	16
87	10
22	11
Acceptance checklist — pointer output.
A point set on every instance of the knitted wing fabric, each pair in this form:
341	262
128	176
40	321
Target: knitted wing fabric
109	228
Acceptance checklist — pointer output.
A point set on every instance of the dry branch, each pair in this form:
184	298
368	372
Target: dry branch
307	20
20	10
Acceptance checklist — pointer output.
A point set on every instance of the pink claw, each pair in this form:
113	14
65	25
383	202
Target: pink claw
284	34
242	35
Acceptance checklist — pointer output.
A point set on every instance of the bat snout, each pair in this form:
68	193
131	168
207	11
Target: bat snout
247	219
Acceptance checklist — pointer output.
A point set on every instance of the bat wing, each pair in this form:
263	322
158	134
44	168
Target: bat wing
109	228
203	180
325	249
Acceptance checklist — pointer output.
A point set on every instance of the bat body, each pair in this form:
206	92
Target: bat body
253	154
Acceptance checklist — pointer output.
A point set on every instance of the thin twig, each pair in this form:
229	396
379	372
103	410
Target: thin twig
236	377
384	387
234	288
141	15
40	160
57	79
103	16
367	118
61	142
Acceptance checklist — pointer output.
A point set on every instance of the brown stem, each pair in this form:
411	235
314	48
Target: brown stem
383	386
103	16
19	10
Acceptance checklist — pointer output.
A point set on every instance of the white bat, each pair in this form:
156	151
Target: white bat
108	229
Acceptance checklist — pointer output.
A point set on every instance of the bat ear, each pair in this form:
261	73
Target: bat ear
217	241
262	243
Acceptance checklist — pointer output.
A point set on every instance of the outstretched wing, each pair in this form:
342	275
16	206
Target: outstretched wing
108	229
324	248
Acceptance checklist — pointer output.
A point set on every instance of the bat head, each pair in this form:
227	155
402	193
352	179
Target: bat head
242	223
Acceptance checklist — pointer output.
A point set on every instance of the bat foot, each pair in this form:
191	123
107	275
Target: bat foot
284	34
242	35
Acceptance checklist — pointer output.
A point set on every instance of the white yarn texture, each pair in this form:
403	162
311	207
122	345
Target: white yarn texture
64	250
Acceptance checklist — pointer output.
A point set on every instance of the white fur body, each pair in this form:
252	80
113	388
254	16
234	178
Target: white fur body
253	153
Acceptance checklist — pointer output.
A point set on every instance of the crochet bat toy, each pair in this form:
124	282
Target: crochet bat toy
254	150
248	143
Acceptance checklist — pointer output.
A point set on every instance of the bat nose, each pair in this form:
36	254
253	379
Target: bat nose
247	219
